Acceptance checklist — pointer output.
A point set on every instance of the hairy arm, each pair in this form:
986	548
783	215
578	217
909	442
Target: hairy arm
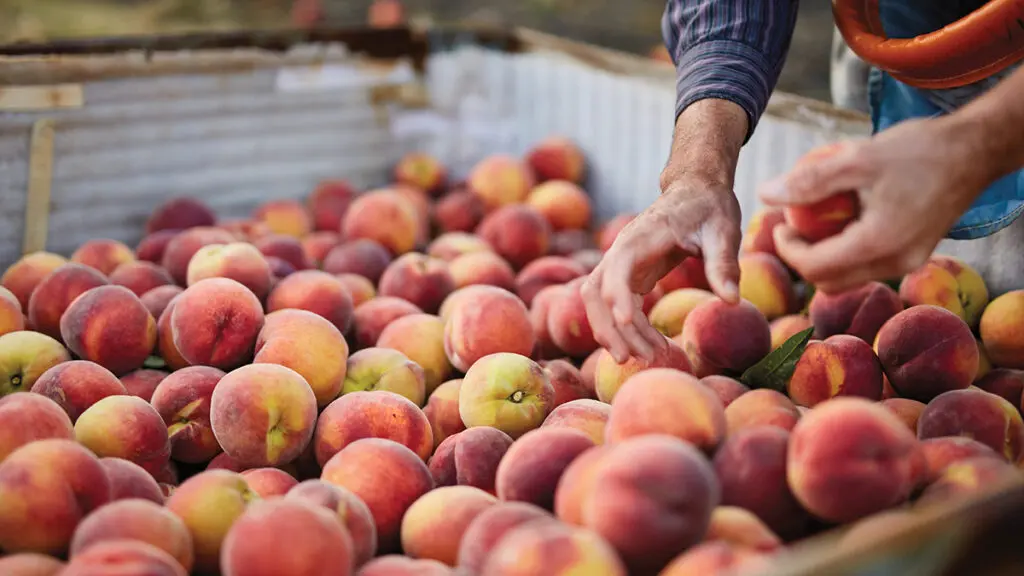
991	129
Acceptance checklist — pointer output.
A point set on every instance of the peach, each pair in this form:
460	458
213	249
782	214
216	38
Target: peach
140	276
55	293
25	356
925	351
507	391
419	201
741	528
824	218
841	365
125	427
246	229
489	527
765	283
434	525
610	230
568	323
758	236
588	369
562	203
385	475
727	389
377	414
907	410
25	418
489	321
544	347
714	558
423	280
587	416
352	512
215	322
30	564
77	385
268	482
451	245
669	314
460	211
139	520
835	456
308	344
500	180
566	381
396	565
157	299
762	407
422	171
588	258
142	383
609	376
287	217
541	547
950	283
366	213
1003	382
518	233
576	484
103	255
151	248
210	503
124	557
184	245
442	411
359	288
966	478
785	327
364	257
279	268
179	214
12	318
128	480
557	158
978	415
649	481
482	268
420	337
725	339
1000	330
318	244
328	203
544	272
688	274
22	277
287	248
317	292
470	458
860	312
238	261
371	318
533	465
263	414
945	450
569	242
46	488
385	369
183	401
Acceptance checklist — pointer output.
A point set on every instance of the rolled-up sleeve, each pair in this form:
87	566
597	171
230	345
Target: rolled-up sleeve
728	49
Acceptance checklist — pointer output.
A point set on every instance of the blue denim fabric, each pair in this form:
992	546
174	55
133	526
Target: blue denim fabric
892	102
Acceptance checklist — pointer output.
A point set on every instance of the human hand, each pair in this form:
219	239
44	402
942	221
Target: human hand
693	217
914	181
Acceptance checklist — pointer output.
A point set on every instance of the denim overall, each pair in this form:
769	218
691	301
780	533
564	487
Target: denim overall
892	102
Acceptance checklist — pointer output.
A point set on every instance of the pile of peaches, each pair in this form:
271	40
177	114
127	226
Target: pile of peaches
403	381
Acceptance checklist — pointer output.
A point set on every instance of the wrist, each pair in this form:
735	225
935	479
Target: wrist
987	145
706	143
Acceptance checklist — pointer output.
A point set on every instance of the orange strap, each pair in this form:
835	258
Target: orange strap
981	44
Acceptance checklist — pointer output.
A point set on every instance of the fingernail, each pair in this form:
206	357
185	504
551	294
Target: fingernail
731	291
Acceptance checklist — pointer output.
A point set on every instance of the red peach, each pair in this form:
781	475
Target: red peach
157	299
741	528
978	415
77	385
727	389
765	283
30	564
215	322
420	279
371	318
482	268
531	468
758	236
269	482
55	293
543	547
151	248
286	248
557	158
422	171
942	451
318	244
1000	330
288	217
1004	382
564	204
308	344
165	338
841	365
907	410
725	339
125	427
137	520
967	478
395	565
378	414
785	327
518	233
544	347
180	214
451	245
184	245
22	277
128	480
488	529
123	557
569	324
183	401
12	318
210	503
500	181
328	203
490	321
435	523
364	257
142	383
460	211
366	213
761	408
25	418
470	458
567	382
587	416
714	558
359	288
609	376
442	411
140	276
317	292
238	261
420	337
950	283
103	255
350	510
545	272
859	312
688	274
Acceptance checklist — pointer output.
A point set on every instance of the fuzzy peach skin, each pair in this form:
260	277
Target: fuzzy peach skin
715	558
157	299
507	391
1001	331
396	565
183	246
269	482
533	465
967	478
139	520
487	320
308	344
183	401
359	288
103	255
859	312
544	346
46	488
950	283
420	337
1004	382
288	217
785	327
836	456
318	244
442	411
978	415
317	292
668	315
238	261
500	180
542	547
587	416
180	213
209	503
566	381
12	318
609	376
123	557
762	407
140	277
568	323
152	246
727	389
22	277
24	357
372	415
725	339
350	511
76	385
423	280
387	370
142	383
489	527
907	410
25	418
125	427
371	318
757	238
433	526
564	204
841	365
741	528
285	248
328	203
544	272
247	229
450	245
518	233
422	171
557	158
688	274
670	402
459	211
215	322
945	450
56	292
765	283
128	480
364	257
420	203
366	213
110	326
925	351
30	564
470	458
385	475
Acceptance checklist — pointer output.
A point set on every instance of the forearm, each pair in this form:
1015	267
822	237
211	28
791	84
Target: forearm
993	126
706	144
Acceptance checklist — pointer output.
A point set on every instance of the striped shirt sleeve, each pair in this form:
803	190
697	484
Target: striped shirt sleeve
728	49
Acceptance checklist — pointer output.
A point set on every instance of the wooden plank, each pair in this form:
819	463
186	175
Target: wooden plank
39	98
40	180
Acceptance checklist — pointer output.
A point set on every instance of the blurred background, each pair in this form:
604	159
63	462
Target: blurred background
631	25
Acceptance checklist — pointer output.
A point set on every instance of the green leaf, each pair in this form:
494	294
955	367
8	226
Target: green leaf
775	369
154	363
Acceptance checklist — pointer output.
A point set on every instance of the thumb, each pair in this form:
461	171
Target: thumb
817	176
721	247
